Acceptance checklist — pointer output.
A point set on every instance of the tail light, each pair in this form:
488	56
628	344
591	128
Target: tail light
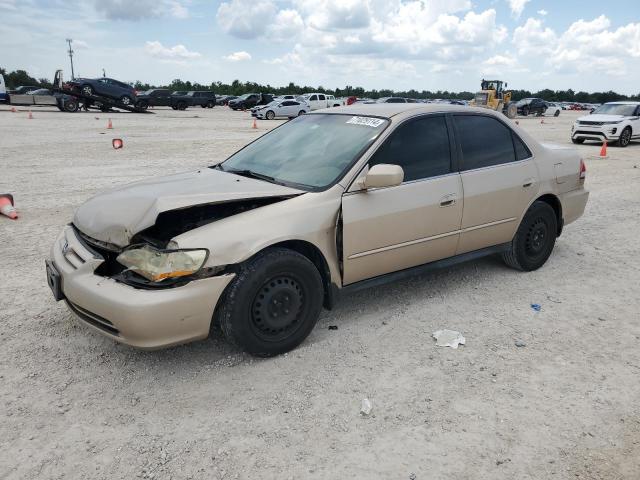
583	170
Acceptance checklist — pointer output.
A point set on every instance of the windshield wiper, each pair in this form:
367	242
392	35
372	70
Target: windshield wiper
252	174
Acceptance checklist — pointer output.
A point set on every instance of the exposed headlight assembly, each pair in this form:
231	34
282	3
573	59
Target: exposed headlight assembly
158	265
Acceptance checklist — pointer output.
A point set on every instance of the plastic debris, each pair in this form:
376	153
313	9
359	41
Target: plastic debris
448	338
366	407
333	327
537	307
520	343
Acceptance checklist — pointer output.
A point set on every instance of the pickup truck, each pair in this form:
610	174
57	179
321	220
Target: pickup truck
321	100
205	99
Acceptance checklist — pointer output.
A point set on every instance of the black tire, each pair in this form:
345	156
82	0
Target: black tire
557	114
126	100
301	112
270	115
579	141
143	105
211	105
181	106
71	106
534	241
625	137
173	107
87	90
525	111
272	304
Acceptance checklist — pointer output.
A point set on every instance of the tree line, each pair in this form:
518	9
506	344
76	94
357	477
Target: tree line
21	77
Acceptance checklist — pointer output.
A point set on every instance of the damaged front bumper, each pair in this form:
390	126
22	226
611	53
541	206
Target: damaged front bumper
142	318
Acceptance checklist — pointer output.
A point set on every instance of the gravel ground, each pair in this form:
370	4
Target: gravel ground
76	405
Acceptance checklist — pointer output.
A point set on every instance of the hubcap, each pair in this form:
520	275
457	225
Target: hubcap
626	137
536	239
276	309
125	100
86	90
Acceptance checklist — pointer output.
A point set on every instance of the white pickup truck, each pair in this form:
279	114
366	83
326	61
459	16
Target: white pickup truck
317	101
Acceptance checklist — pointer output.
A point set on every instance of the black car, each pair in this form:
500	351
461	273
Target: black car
225	99
204	99
250	100
528	106
106	87
156	97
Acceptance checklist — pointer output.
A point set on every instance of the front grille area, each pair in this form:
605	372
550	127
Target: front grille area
93	319
589	122
108	252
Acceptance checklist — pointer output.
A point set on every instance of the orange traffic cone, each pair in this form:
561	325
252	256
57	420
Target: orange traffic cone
6	206
255	124
542	121
109	125
30	115
117	143
13	109
603	150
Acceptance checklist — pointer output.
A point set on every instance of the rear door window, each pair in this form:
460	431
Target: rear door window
484	141
420	147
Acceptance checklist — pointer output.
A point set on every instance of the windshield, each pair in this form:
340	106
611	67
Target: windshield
616	109
310	151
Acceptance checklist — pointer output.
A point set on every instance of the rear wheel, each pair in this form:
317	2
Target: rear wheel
557	113
211	105
126	100
272	304
143	105
625	137
181	106
535	238
70	106
525	111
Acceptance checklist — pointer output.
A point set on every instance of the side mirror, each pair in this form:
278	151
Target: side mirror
383	175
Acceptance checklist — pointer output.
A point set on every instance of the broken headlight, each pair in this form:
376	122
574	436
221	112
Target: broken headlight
157	265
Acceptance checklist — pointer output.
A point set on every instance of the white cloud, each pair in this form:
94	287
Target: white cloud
246	18
287	24
542	13
517	6
176	53
237	57
335	14
141	9
586	46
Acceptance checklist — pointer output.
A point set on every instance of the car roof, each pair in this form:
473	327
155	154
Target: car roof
389	110
622	103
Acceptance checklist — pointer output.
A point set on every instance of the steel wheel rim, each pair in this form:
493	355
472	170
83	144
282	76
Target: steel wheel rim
536	239
277	310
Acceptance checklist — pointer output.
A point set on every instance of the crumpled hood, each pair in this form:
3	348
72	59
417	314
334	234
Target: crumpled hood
600	117
117	215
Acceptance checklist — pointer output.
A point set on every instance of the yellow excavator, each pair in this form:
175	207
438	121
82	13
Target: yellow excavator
492	95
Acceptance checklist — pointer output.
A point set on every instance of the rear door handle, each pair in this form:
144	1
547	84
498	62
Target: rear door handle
448	200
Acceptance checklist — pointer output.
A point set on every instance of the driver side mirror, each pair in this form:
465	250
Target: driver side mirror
383	175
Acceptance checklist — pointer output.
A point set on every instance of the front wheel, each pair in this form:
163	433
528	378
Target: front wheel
87	90
578	141
301	112
525	112
534	241
71	106
211	105
557	114
625	137
272	304
270	115
125	100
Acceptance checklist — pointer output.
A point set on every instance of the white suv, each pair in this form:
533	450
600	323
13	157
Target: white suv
612	122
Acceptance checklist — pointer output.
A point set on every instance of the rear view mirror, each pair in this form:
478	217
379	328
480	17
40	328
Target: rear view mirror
384	175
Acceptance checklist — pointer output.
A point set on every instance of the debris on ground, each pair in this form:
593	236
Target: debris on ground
333	327
520	343
536	306
365	408
448	338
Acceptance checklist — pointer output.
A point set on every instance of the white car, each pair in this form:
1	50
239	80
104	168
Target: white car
553	109
3	90
287	109
612	122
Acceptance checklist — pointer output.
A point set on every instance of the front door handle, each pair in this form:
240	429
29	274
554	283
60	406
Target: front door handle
527	183
448	200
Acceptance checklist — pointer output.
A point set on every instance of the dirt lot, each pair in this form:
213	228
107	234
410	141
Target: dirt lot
76	405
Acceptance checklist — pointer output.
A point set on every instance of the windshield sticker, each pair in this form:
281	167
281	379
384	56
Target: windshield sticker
366	121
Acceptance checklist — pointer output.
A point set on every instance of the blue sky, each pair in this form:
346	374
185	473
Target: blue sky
398	44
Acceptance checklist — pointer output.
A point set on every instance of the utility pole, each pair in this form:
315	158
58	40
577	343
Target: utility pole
71	57
104	74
